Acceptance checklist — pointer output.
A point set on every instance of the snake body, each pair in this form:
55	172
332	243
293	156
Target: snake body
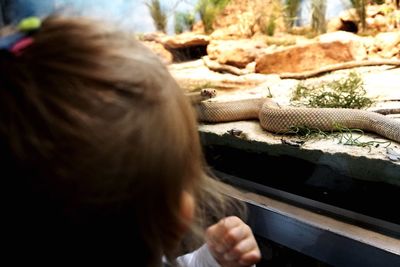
276	119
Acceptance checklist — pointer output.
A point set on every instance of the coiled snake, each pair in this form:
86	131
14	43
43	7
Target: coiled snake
276	119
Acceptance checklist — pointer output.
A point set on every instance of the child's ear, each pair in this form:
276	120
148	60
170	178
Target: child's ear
187	206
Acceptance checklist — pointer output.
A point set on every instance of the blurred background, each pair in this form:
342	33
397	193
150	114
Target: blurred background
137	14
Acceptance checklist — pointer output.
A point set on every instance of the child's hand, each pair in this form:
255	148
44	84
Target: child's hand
232	243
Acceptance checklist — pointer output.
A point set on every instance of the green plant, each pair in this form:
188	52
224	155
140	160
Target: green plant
291	9
158	15
345	136
318	20
208	10
183	21
269	28
348	92
378	2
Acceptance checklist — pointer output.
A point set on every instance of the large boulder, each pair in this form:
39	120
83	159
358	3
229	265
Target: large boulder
308	57
237	53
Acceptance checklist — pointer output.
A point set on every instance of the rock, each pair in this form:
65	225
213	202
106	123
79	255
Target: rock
369	44
356	162
372	10
387	43
342	36
186	39
307	57
237	53
198	27
224	68
350	15
355	42
248	17
194	75
379	23
232	32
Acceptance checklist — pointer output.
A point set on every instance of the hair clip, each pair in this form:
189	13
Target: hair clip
29	24
17	42
20	45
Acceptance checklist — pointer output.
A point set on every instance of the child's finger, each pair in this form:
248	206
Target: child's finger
227	233
235	235
250	258
217	231
241	249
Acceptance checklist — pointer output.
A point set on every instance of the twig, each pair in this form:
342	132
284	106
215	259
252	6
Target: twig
339	66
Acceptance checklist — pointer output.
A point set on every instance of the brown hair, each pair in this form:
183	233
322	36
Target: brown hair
98	142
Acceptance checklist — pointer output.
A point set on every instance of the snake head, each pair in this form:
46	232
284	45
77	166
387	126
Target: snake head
208	93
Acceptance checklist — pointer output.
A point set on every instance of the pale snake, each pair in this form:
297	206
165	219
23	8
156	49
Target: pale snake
276	119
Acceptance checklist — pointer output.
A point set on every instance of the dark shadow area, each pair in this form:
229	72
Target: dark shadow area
348	26
276	255
188	53
316	182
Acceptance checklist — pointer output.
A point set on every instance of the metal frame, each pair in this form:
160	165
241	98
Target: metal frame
318	240
319	243
375	224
